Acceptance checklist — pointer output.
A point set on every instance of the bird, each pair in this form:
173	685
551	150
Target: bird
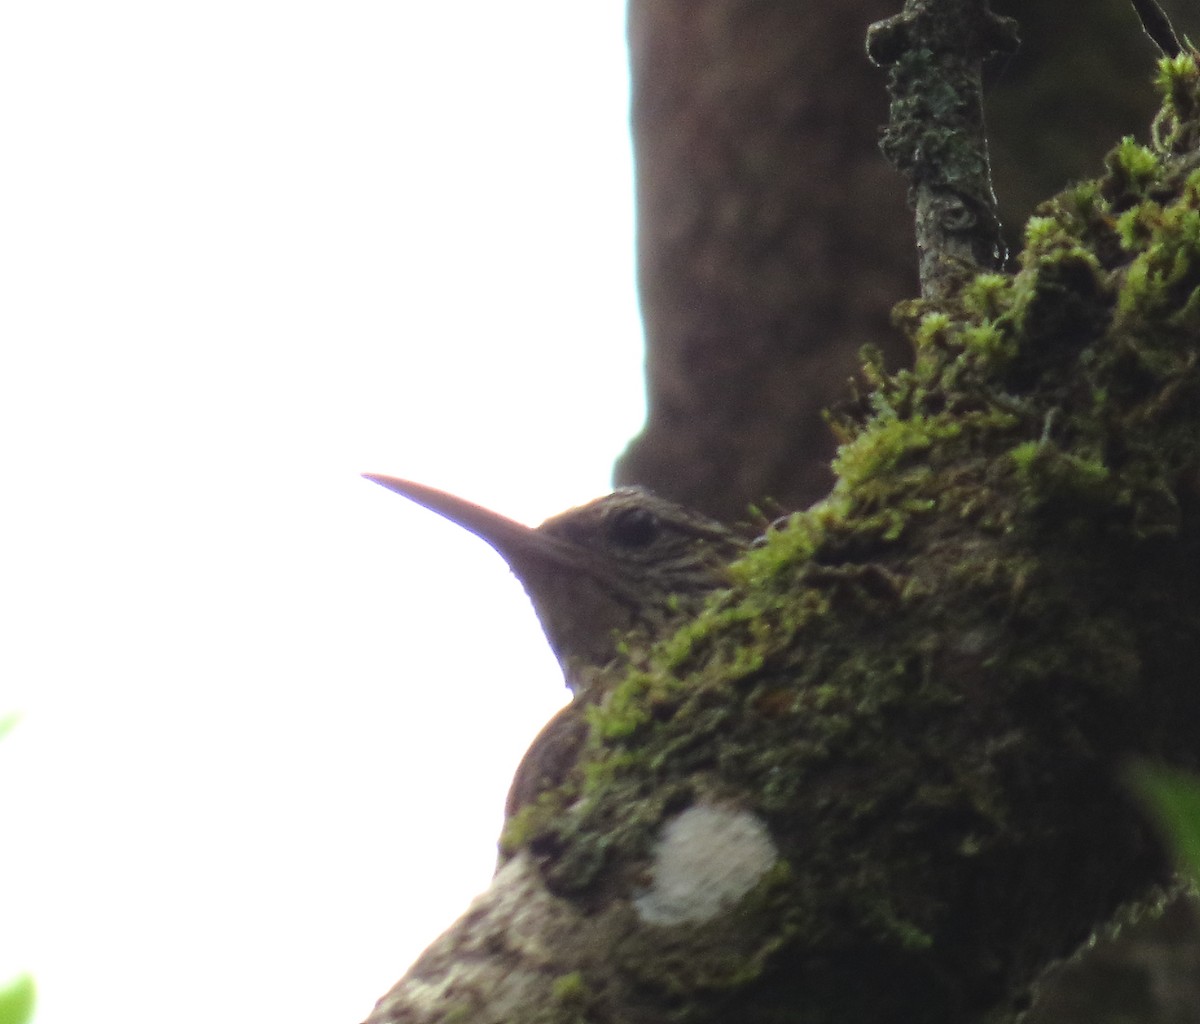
627	564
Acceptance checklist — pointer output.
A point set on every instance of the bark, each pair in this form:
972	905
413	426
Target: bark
879	779
935	50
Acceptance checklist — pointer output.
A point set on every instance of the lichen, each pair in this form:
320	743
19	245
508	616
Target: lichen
706	859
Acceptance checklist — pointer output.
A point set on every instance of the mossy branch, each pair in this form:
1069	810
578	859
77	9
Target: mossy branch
935	134
880	779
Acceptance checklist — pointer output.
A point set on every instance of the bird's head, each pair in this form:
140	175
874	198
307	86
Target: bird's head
626	562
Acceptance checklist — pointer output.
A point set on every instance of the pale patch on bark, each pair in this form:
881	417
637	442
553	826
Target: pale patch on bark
707	858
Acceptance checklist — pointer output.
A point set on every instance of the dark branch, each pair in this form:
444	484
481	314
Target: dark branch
935	135
1158	27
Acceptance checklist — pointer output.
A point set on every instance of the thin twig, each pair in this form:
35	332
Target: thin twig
1158	27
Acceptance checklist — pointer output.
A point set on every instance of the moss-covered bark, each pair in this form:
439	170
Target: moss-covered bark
923	691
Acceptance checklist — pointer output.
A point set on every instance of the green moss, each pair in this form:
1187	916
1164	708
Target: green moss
783	548
1132	168
1137	225
992	342
1176	128
1040	233
896	677
570	988
529	821
1164	275
626	710
1050	473
932	328
892	443
571	1002
987	296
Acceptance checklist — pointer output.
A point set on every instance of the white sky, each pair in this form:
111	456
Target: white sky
248	250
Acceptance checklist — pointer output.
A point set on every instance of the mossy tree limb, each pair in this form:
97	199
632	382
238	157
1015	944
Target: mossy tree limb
935	134
895	746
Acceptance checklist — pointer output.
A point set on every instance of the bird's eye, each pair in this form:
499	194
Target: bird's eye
633	527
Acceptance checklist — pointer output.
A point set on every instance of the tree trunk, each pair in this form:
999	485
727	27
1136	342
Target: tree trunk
761	196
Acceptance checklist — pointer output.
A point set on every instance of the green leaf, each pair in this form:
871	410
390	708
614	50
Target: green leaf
1173	800
17	996
16	1000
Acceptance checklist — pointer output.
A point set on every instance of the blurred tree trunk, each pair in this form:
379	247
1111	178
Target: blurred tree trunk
774	239
762	198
